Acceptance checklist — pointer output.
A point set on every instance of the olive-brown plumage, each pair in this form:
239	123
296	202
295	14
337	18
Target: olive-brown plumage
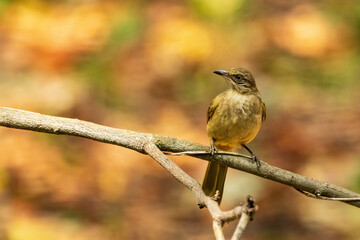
233	120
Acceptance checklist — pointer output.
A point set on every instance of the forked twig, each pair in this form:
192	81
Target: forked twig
219	217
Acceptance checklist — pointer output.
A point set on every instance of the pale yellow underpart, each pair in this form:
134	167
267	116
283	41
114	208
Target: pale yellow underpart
236	120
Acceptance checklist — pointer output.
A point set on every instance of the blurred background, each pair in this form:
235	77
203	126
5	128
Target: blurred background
147	66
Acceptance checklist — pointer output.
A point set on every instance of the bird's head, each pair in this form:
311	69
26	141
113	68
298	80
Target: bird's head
240	79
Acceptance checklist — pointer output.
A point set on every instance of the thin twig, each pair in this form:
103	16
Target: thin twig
219	217
244	219
176	171
187	153
193	153
246	216
217	228
319	196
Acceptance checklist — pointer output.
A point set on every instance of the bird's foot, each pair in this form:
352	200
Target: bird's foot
253	157
213	149
256	160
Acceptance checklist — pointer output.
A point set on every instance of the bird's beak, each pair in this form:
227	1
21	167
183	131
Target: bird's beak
221	72
225	74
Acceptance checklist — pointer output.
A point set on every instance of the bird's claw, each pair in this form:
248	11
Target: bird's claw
256	160
212	149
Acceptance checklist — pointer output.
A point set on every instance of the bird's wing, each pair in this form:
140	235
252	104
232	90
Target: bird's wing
211	110
263	116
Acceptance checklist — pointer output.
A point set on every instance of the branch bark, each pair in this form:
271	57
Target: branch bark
247	215
20	119
219	217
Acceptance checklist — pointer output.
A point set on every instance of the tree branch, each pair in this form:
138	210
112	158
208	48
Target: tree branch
219	217
177	172
139	142
246	216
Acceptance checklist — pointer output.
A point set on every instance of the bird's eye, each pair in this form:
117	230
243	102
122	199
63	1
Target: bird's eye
239	77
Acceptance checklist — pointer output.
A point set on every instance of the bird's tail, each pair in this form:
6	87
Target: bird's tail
214	179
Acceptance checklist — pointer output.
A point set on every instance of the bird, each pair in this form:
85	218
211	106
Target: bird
234	118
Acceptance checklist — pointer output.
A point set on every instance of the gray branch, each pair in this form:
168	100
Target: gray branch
246	216
139	142
219	217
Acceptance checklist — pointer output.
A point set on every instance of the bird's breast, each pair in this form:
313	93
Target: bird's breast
236	119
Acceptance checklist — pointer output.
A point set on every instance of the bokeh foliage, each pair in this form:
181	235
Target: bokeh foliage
147	66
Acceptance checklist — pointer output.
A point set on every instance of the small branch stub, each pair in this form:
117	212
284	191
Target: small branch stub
247	215
251	208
